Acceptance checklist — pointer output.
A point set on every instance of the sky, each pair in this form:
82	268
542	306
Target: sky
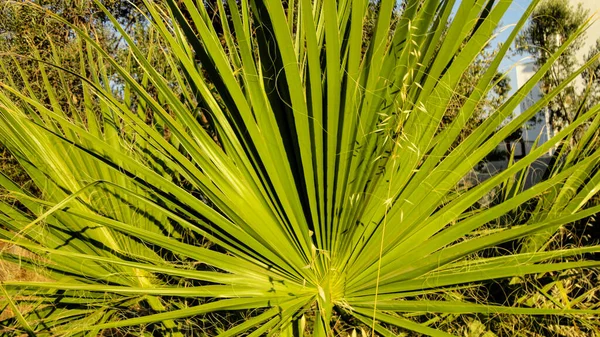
511	17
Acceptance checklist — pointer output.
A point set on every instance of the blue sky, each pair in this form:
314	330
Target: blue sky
512	16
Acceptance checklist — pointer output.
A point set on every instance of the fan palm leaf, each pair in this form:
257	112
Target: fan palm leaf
276	168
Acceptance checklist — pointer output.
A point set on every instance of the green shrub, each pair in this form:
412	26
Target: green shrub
276	178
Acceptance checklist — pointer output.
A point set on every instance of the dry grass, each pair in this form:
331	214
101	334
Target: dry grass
14	272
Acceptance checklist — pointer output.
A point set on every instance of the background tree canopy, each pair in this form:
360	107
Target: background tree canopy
551	24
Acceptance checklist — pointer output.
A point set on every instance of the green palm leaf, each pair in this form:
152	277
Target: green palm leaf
277	170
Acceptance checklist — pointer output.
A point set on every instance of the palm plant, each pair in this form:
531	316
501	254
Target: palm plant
275	173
